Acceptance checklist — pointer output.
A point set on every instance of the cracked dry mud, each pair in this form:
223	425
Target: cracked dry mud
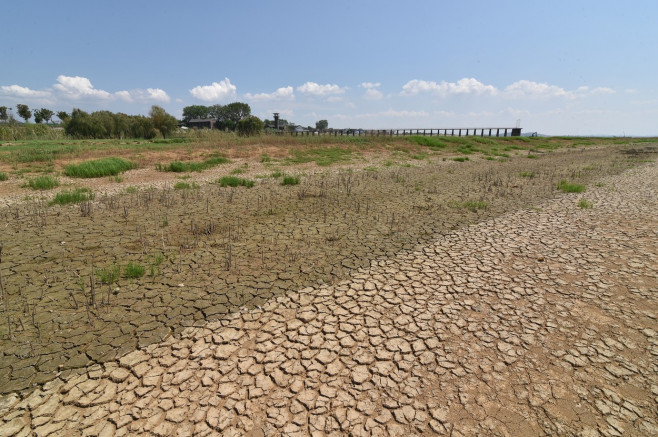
535	322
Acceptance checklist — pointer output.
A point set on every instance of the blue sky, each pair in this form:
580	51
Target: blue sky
561	67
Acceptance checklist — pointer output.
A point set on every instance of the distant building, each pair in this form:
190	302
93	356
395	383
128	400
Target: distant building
202	123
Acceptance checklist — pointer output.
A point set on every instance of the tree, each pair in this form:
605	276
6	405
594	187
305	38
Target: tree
194	111
44	114
321	125
24	112
236	111
63	116
162	121
249	126
3	113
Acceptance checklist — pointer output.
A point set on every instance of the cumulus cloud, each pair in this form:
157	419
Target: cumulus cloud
217	92
537	90
462	86
147	95
372	93
284	93
76	87
315	89
24	92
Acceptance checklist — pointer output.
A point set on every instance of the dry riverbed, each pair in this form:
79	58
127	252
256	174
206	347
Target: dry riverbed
443	297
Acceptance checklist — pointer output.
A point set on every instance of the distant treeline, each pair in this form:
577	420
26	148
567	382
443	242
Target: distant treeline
106	124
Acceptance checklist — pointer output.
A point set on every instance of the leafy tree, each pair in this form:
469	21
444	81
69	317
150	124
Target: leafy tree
162	121
195	111
321	125
3	113
43	114
249	126
63	115
24	112
236	111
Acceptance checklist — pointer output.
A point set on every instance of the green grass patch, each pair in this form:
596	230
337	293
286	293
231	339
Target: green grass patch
568	187
531	156
527	174
72	196
43	183
276	174
186	186
430	142
290	180
189	166
108	275
585	204
3	176
238	171
133	271
233	181
321	156
99	167
265	158
460	159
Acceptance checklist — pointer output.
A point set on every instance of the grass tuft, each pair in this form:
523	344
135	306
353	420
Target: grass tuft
233	181
290	180
43	183
567	187
99	167
3	176
72	196
189	166
133	270
585	204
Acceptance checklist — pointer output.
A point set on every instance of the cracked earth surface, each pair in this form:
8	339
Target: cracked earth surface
537	322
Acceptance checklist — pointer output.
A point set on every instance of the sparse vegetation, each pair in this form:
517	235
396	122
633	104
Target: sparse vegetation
3	176
527	174
133	270
585	204
189	166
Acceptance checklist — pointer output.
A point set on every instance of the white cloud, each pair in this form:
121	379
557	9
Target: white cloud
462	86
315	89
535	90
218	91
369	85
76	87
373	94
284	93
124	95
20	91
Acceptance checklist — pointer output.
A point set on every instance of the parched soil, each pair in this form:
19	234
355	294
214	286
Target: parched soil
448	298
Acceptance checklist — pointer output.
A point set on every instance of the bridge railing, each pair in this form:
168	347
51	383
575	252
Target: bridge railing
458	131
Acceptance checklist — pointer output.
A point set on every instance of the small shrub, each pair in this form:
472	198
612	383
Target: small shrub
99	167
108	275
460	159
3	176
585	204
72	196
232	181
290	180
133	271
531	156
43	183
567	187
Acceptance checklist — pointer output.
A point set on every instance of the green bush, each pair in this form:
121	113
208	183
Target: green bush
250	126
98	168
233	181
72	196
3	176
290	180
43	183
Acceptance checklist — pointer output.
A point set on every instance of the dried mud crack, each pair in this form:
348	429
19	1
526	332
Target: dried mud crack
503	321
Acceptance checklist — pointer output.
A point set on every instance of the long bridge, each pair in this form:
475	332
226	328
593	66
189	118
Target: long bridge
457	131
